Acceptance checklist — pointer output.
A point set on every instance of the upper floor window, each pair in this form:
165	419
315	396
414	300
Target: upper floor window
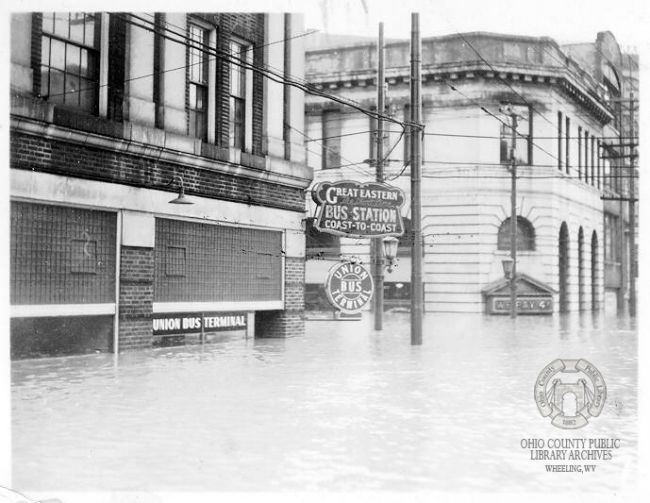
580	152
70	59
198	82
240	96
560	139
525	235
567	144
524	136
331	154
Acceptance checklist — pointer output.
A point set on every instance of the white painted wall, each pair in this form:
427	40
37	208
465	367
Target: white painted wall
139	75
21	72
174	81
466	193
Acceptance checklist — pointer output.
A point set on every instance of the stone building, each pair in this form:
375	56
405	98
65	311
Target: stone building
114	117
570	237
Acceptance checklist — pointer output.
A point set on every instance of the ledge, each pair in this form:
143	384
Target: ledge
42	119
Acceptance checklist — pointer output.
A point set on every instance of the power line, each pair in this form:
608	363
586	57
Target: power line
362	171
265	71
182	67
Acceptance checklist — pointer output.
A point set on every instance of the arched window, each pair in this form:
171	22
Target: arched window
525	235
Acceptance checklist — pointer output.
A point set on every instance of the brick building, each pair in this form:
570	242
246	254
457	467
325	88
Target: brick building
571	237
113	115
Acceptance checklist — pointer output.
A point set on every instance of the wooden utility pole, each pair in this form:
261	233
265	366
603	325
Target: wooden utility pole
379	164
513	215
417	292
620	227
632	210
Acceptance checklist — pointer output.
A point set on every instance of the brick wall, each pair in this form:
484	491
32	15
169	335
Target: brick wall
291	321
36	49
52	156
136	297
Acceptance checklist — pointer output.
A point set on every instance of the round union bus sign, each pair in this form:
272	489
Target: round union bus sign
349	287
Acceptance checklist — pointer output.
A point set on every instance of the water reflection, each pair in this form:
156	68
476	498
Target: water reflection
342	408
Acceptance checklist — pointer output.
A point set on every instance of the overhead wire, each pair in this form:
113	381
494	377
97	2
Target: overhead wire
230	57
264	70
182	67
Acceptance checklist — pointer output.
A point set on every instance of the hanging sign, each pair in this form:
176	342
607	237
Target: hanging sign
349	287
349	208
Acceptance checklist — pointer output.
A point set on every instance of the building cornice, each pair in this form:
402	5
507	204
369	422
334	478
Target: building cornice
51	131
559	78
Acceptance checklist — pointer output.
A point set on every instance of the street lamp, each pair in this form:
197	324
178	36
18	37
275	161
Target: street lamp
509	273
181	199
507	267
390	244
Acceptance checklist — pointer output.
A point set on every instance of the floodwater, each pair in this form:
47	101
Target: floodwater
343	408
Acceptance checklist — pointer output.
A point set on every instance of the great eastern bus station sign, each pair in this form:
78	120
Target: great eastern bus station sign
350	208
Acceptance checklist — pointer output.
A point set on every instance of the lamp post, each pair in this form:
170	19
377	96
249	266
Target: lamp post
390	244
509	273
508	110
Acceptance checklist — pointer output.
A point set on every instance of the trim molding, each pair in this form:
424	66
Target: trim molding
197	307
47	310
30	126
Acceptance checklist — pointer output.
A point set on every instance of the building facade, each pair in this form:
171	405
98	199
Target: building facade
113	117
569	169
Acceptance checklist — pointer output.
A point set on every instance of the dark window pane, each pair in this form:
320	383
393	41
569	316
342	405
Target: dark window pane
87	95
56	86
332	142
45	81
525	235
71	89
57	54
237	133
83	64
200	98
89	60
192	131
72	58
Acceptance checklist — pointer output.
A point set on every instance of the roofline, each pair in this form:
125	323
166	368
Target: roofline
471	34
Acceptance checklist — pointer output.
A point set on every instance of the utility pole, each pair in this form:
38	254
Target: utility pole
632	210
620	187
513	215
379	165
417	293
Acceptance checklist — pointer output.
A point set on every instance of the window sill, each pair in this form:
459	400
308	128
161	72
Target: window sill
77	119
253	161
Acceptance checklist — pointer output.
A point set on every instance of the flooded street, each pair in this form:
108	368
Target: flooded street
343	408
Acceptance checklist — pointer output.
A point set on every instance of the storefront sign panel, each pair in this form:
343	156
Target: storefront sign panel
525	305
192	323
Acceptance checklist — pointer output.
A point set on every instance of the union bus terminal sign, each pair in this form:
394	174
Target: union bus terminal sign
349	287
349	208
